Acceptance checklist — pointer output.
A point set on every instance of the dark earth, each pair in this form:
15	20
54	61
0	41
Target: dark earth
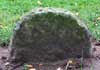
92	63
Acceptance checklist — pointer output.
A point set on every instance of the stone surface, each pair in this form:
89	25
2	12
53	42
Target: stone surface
49	35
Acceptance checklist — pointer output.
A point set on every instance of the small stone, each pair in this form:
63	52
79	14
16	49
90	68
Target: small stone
59	68
7	63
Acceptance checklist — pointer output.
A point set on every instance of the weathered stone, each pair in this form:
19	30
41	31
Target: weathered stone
49	35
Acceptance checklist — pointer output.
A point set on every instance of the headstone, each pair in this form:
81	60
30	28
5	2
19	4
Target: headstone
49	35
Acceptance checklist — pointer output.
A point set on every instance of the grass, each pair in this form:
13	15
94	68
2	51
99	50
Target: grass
12	10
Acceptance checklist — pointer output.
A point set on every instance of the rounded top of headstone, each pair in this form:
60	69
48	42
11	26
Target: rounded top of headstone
54	11
49	35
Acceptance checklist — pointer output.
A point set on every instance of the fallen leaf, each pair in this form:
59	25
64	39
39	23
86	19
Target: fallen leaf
39	2
98	18
32	69
76	13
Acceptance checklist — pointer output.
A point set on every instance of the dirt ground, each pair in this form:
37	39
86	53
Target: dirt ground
92	63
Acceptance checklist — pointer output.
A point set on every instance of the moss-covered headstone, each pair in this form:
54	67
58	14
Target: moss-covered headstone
49	35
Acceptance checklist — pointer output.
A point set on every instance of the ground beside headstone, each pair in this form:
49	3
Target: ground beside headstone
95	65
